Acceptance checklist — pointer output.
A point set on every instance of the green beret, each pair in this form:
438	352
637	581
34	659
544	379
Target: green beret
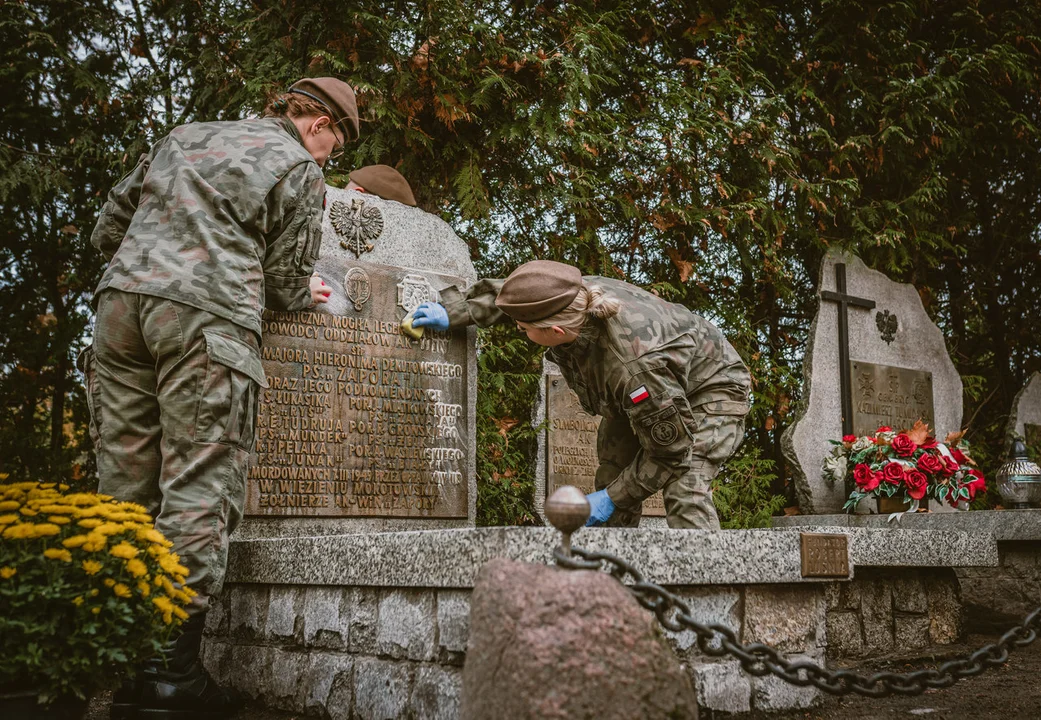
385	182
539	289
337	96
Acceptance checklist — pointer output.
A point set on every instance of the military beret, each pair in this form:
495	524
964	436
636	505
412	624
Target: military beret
539	289
384	181
335	95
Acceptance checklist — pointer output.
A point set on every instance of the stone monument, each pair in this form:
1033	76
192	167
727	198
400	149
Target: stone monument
874	357
1025	420
361	427
567	446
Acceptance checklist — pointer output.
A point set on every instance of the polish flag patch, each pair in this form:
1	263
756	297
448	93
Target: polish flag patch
639	394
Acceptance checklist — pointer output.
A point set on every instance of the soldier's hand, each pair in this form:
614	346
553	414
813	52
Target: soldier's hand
432	315
320	292
601	507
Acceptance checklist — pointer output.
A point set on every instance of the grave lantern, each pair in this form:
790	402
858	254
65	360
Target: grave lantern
1019	479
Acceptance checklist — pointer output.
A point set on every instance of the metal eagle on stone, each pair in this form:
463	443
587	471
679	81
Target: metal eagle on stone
357	224
887	324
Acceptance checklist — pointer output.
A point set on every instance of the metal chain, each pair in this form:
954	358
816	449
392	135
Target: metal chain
759	659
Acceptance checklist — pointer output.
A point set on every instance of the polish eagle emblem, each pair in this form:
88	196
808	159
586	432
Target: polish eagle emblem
887	325
357	224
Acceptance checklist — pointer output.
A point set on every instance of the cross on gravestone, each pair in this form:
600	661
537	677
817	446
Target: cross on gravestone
844	300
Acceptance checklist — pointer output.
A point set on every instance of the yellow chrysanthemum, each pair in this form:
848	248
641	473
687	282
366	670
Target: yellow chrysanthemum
7	572
78	600
180	613
28	511
9	505
58	509
82	499
46	529
58	519
136	568
8	519
121	590
165	607
58	554
75	541
109	582
144	588
172	566
89	523
94	592
124	550
109	528
92	567
150	534
19	531
63	487
95	610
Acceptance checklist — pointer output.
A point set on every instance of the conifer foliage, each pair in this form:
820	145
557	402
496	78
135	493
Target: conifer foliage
709	151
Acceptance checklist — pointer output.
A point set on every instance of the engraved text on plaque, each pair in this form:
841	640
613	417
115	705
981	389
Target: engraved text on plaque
887	395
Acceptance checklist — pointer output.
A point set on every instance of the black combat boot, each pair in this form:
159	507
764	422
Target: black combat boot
176	686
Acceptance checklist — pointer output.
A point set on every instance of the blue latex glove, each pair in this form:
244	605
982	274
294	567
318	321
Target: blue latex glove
601	507
432	315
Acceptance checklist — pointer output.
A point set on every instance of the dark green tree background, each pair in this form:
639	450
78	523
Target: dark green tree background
710	151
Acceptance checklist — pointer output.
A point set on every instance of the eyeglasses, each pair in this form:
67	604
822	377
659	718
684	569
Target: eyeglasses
339	149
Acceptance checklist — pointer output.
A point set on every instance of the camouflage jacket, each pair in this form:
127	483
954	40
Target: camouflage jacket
655	363
223	216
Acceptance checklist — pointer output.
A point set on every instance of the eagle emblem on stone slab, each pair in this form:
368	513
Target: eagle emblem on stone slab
357	224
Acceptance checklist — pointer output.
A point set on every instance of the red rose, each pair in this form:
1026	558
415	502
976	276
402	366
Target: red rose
893	473
849	438
930	464
866	478
884	428
929	444
917	484
903	445
959	456
949	467
978	484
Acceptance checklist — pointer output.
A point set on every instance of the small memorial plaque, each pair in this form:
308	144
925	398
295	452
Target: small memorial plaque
887	395
360	419
571	445
825	556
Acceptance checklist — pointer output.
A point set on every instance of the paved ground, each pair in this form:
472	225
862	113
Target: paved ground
1008	693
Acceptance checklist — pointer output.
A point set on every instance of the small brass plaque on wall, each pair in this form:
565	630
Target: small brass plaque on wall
824	556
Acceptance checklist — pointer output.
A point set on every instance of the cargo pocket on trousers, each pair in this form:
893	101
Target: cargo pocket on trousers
228	394
87	363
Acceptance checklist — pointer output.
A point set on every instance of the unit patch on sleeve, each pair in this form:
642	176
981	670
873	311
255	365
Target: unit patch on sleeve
665	432
639	394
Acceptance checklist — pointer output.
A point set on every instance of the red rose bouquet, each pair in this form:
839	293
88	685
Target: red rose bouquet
908	466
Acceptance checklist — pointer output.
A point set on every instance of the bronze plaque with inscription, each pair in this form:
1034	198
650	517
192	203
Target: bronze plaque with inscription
571	445
823	555
360	419
887	395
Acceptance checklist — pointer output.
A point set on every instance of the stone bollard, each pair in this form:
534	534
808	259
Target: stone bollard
551	643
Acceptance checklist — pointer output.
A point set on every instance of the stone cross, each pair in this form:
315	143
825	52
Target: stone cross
845	300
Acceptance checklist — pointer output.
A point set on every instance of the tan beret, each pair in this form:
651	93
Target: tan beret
539	289
384	181
335	95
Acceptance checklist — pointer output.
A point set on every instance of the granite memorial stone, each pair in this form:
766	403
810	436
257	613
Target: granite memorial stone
1025	420
364	427
874	358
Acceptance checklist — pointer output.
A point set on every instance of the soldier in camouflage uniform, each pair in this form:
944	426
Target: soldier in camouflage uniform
217	221
672	391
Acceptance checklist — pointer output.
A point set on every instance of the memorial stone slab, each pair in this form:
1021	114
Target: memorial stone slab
1025	420
362	427
897	369
567	448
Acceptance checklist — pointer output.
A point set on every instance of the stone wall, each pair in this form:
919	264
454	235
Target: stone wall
342	652
997	598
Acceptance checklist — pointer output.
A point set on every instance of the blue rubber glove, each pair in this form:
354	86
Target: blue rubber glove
432	315
601	507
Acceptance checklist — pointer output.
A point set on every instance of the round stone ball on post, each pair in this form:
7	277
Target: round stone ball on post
567	510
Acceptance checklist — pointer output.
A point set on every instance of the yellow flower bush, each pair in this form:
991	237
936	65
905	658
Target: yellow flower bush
87	583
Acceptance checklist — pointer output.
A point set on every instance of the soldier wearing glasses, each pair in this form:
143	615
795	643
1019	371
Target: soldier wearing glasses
217	221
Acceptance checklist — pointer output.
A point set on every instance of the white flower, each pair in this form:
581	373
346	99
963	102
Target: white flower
862	443
835	468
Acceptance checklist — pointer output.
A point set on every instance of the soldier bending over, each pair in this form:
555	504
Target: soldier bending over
672	391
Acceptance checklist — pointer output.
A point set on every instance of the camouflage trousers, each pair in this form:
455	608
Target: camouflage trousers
172	393
688	497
